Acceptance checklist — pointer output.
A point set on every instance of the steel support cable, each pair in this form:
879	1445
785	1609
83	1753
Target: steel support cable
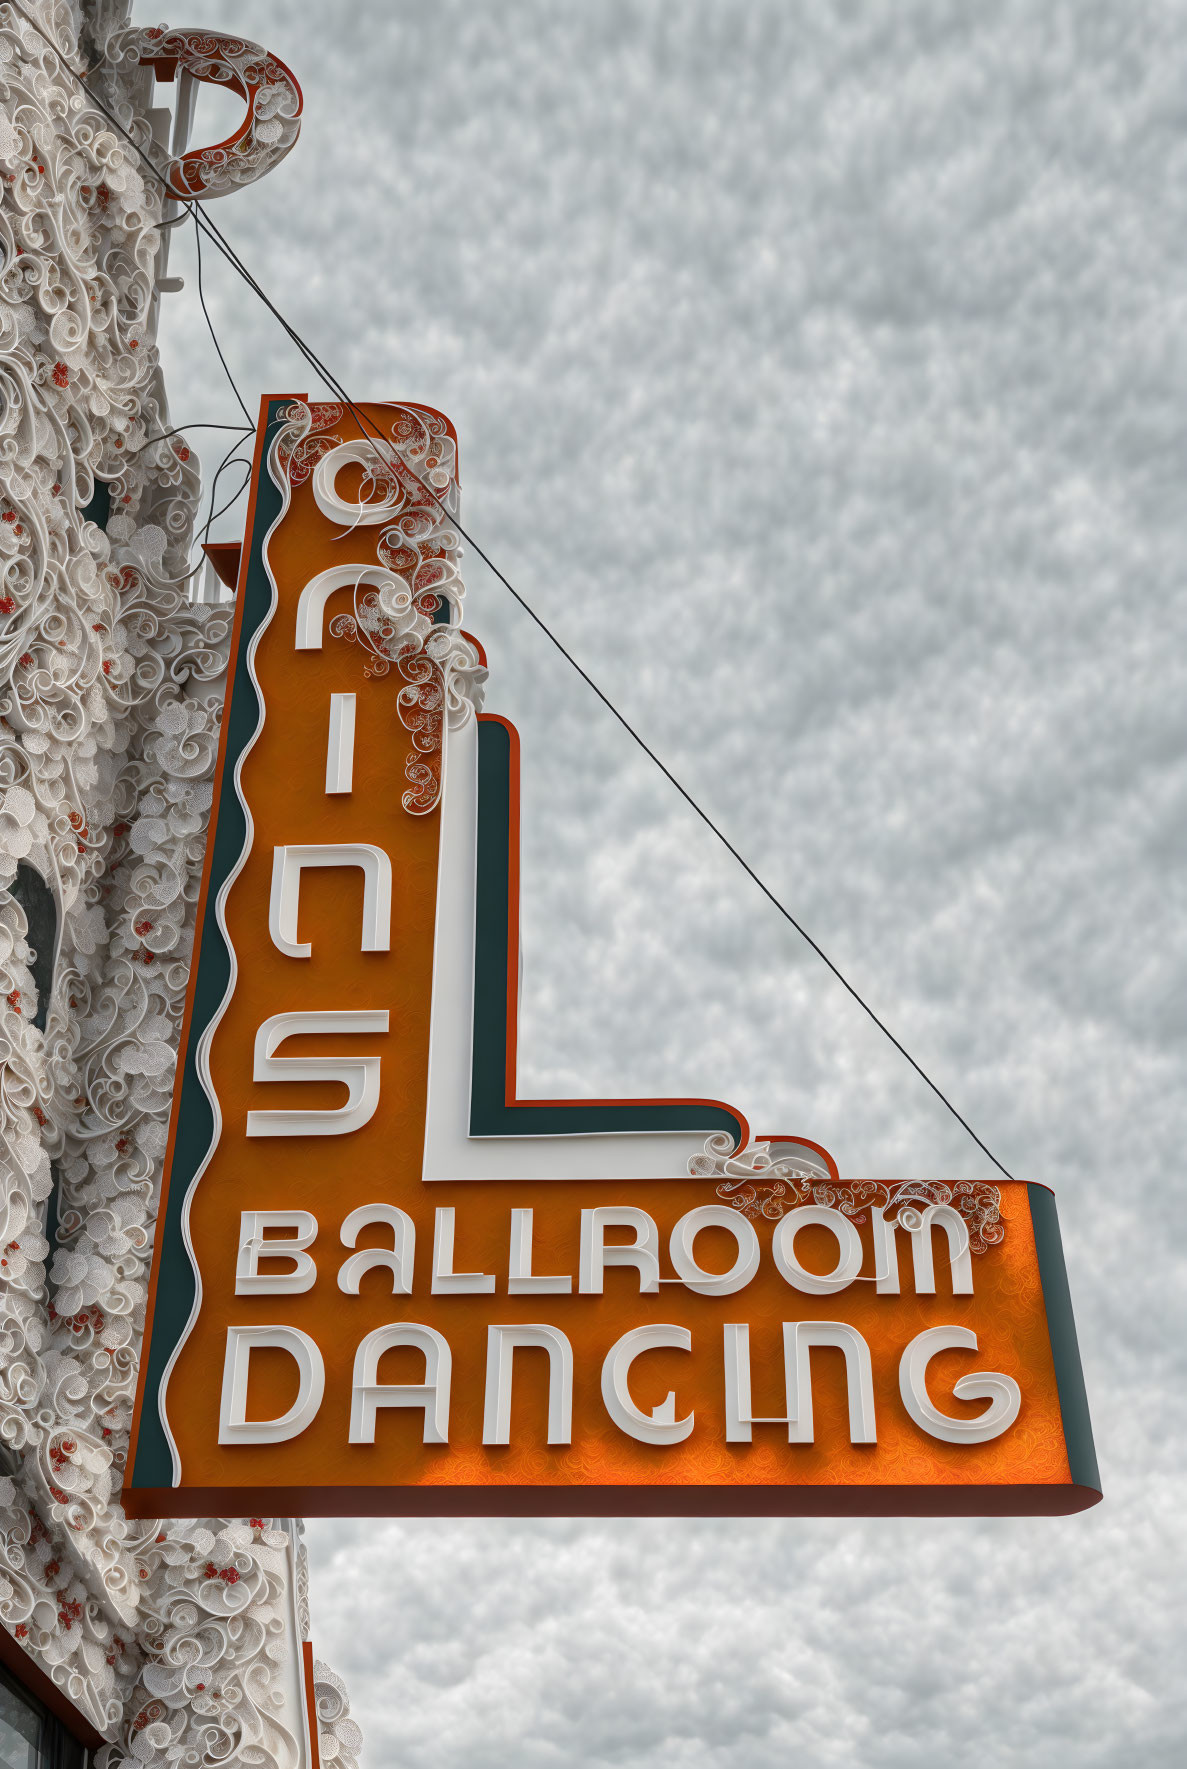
182	429
210	323
369	432
230	459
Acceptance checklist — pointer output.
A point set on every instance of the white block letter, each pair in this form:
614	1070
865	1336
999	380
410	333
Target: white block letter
398	1259
919	1221
340	744
521	1280
501	1343
662	1426
738	1402
642	1252
707	1283
798	1339
368	1393
360	1074
1002	1392
302	1273
286	890
311	604
848	1250
233	1424
446	1281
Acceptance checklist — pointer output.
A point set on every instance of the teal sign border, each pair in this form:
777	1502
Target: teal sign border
153	1464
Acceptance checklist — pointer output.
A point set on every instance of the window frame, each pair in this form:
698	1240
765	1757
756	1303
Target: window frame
66	1738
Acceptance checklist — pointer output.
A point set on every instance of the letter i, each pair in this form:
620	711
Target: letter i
340	745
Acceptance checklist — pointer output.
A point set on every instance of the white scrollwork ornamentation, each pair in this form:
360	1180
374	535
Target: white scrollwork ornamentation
269	128
338	1735
408	492
758	1182
167	1637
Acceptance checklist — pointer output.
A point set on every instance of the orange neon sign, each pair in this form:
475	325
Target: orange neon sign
386	1283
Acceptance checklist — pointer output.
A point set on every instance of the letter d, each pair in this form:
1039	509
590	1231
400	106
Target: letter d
233	1424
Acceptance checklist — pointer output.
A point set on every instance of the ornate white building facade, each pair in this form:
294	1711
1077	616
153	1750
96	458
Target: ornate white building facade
158	1642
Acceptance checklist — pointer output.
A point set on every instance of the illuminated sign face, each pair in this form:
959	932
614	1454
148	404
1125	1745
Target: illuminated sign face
386	1284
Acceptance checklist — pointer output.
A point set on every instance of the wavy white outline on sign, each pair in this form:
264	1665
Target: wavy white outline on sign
202	1059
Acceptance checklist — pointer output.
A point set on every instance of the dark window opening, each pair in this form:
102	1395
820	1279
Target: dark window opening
97	511
41	922
50	1231
41	918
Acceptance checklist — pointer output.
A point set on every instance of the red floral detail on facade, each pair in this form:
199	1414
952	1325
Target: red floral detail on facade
91	1317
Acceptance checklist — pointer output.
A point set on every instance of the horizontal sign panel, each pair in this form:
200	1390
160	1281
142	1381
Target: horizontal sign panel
386	1283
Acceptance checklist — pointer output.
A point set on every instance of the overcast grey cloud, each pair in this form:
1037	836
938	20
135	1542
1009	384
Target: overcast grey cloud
820	376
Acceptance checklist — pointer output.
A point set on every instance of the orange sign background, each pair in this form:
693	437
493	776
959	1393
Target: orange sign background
319	1471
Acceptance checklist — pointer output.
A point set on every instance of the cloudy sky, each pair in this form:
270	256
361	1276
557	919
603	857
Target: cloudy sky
820	376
